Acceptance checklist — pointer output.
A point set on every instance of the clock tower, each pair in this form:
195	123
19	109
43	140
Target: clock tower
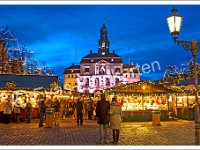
103	42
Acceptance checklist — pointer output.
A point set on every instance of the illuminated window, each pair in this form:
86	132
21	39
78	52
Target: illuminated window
103	44
103	53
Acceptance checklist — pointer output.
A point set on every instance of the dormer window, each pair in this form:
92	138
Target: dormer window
103	53
92	60
112	60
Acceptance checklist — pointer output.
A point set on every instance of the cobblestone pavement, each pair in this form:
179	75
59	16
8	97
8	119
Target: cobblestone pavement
171	133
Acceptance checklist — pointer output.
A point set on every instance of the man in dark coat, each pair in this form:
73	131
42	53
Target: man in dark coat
42	107
56	106
102	115
79	109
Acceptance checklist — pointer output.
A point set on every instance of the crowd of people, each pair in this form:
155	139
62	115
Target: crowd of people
107	114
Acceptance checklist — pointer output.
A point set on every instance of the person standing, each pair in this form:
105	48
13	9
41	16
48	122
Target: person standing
79	109
2	106
28	112
115	118
8	111
42	108
102	116
56	112
17	111
63	108
90	109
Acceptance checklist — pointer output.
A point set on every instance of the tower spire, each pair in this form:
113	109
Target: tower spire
103	42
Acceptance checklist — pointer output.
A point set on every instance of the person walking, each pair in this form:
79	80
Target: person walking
102	116
115	118
42	108
28	112
79	109
8	111
56	106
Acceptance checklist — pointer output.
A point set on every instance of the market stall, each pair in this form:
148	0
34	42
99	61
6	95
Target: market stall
139	99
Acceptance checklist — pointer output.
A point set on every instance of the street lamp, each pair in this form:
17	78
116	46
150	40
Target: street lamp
174	22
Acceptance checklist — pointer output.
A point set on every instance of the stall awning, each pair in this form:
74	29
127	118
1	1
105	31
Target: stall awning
188	82
143	88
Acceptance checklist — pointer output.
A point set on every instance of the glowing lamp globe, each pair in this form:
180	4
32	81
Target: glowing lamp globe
174	23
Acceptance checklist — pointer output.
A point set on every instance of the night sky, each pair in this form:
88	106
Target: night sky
62	34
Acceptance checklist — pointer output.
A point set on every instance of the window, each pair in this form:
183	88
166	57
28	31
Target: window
97	81
107	82
87	82
72	76
116	81
117	70
68	76
103	44
103	53
87	69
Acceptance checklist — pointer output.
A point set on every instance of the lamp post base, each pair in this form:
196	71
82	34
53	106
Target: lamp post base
197	125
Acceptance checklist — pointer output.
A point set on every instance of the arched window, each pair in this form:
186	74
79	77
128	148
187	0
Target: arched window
87	81
116	81
107	82
97	82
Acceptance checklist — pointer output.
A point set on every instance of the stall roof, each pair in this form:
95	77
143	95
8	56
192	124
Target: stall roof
143	87
188	82
28	81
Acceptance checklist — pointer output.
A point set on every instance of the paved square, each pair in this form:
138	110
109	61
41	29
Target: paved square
172	133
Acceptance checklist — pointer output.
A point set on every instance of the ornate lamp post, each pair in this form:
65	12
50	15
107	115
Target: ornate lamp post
174	22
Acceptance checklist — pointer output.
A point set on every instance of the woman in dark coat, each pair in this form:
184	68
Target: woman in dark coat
102	115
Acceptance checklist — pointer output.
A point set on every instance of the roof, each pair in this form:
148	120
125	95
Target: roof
135	70
28	81
128	65
107	59
189	82
71	71
93	55
143	88
74	67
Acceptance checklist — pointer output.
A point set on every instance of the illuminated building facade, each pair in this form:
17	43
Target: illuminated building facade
98	71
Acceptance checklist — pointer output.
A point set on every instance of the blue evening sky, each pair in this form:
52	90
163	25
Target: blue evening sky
62	34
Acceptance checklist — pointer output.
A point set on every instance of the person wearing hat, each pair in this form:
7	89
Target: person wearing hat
102	110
